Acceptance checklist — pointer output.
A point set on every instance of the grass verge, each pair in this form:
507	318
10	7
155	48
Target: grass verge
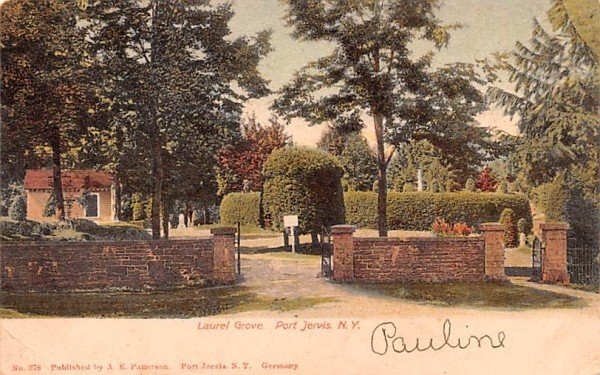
484	294
180	303
280	304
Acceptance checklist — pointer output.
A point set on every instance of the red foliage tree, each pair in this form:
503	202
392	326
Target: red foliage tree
240	165
486	181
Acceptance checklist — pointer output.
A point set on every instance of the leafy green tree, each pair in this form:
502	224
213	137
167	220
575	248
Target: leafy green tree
179	67
371	72
355	154
45	100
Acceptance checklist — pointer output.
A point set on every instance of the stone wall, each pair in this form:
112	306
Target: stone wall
132	265
426	259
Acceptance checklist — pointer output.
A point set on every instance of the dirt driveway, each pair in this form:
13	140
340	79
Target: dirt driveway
286	275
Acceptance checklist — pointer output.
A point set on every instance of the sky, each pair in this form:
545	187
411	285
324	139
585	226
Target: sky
489	26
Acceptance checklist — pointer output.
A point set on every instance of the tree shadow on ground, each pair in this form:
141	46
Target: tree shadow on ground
179	303
504	295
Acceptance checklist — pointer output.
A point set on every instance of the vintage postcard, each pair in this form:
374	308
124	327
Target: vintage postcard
299	187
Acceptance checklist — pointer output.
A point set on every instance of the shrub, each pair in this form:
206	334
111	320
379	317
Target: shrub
50	206
552	199
174	221
509	221
568	199
18	208
136	223
521	225
417	210
25	228
240	207
207	215
434	187
408	187
486	181
442	228
470	185
119	232
303	182
138	207
502	187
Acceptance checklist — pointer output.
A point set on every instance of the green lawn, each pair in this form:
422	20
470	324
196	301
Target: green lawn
248	231
483	294
181	303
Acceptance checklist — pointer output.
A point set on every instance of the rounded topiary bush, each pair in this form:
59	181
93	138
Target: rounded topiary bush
304	182
18	208
240	207
509	220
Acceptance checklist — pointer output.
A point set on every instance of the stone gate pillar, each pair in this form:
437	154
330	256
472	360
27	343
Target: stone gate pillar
554	257
224	255
343	252
493	236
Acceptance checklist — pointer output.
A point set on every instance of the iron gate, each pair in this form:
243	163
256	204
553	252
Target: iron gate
583	264
536	259
326	250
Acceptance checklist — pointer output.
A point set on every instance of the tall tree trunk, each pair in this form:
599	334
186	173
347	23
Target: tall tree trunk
157	160
59	210
158	175
165	218
118	197
381	177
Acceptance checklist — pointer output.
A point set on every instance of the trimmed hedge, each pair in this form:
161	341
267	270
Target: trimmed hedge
418	210
242	207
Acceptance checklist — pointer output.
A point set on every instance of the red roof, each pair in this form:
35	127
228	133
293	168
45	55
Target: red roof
71	179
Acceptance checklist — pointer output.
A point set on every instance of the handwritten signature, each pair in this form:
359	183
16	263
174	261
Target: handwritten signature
384	336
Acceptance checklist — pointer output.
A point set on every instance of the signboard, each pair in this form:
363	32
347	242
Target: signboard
290	221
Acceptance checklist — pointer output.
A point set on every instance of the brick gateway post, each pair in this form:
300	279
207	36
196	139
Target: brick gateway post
554	256
130	265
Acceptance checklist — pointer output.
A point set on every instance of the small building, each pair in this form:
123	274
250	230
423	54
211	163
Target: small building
88	194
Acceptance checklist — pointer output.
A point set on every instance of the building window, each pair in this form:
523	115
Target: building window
92	205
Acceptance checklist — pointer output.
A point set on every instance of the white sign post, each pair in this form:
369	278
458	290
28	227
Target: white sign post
291	221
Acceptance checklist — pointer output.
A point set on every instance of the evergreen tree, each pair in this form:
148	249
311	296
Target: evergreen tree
555	76
355	154
359	163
